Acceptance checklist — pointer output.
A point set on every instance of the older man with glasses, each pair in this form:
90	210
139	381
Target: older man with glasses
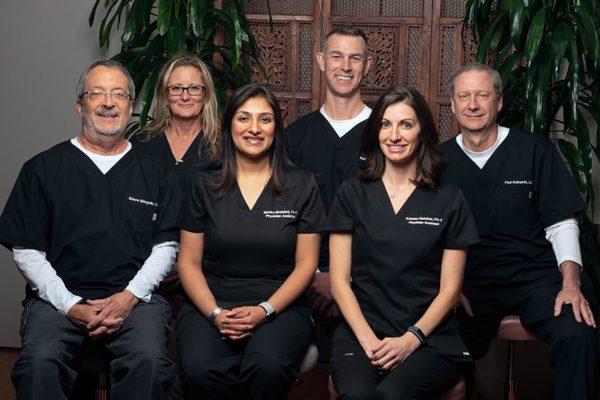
91	224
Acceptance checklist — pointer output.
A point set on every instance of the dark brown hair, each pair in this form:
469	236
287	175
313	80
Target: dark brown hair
430	163
227	167
345	31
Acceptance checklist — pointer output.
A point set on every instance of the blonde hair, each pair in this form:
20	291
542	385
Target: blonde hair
210	117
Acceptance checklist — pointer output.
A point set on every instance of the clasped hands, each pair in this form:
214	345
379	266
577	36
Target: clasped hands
104	316
388	353
240	322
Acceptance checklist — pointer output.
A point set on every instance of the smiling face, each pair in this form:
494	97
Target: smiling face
185	106
104	115
345	62
400	134
475	103
253	128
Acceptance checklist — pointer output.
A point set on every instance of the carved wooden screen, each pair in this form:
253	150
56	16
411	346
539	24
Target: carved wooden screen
414	42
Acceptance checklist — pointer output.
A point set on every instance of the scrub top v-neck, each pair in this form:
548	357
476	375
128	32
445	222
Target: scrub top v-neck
313	145
523	188
396	257
249	252
157	146
96	229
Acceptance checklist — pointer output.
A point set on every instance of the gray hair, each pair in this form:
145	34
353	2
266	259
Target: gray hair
108	64
475	66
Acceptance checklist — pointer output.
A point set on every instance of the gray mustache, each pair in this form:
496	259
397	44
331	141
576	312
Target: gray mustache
104	112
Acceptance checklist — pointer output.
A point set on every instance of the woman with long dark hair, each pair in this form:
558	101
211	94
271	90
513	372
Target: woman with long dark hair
249	248
398	249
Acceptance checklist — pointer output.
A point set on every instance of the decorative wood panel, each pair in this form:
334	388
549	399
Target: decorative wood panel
414	42
286	52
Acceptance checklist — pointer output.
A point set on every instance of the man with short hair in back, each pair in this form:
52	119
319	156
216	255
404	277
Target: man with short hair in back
91	224
528	261
326	142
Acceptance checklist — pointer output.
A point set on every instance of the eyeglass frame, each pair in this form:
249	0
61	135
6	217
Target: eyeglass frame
97	92
186	89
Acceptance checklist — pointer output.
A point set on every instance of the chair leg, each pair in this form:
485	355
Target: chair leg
511	383
103	387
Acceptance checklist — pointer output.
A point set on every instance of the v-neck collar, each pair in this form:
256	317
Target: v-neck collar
187	156
242	200
333	134
388	201
88	165
496	155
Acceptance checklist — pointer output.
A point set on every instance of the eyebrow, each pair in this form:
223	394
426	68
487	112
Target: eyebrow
270	113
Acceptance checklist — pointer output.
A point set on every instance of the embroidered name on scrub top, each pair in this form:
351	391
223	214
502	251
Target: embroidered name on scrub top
287	214
434	221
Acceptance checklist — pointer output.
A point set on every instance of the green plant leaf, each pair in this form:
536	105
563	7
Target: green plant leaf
569	151
148	95
535	34
93	13
517	18
484	46
561	35
583	143
197	9
589	34
540	91
164	16
470	19
573	57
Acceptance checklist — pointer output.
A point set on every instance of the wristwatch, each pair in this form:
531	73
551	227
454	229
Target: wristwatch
271	313
213	315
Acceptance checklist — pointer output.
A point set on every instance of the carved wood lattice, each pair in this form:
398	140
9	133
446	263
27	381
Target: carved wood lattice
414	42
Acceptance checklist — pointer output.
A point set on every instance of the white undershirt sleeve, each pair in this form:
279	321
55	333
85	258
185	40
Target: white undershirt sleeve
42	278
155	269
564	236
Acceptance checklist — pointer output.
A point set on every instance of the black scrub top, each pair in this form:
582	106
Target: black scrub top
249	253
96	229
313	145
157	146
523	188
396	258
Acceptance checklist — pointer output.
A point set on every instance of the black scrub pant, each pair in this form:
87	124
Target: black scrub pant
262	367
424	374
50	343
573	347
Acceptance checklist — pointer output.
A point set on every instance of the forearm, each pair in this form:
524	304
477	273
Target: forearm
292	288
155	269
42	278
441	306
195	286
307	257
571	275
451	276
350	309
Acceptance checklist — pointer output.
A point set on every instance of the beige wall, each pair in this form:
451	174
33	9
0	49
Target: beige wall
45	45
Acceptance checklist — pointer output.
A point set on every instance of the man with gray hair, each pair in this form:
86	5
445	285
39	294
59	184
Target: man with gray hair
528	261
91	224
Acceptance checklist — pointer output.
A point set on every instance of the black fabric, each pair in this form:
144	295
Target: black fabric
572	347
314	146
423	375
261	367
157	146
47	365
396	257
523	188
249	253
96	229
